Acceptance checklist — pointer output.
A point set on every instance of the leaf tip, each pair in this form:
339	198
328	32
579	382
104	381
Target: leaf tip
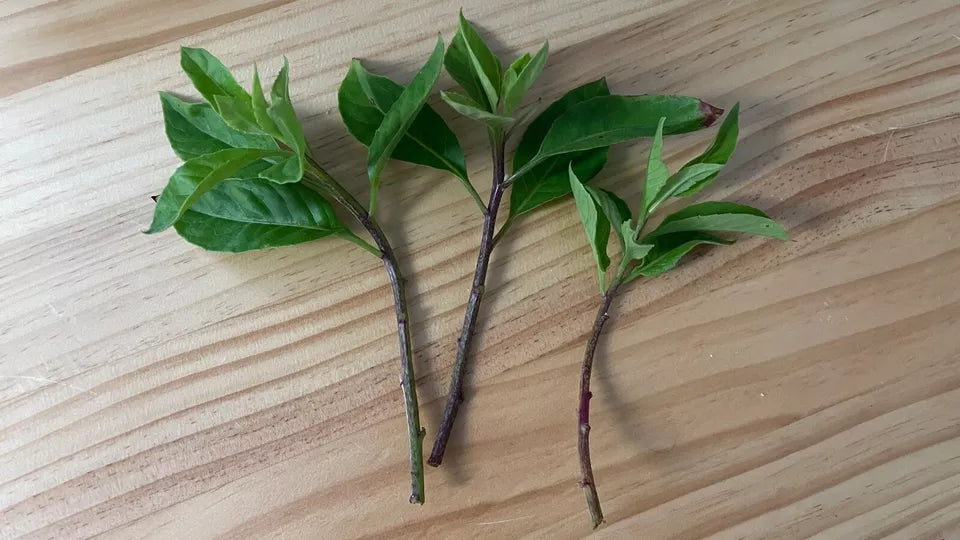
710	113
154	228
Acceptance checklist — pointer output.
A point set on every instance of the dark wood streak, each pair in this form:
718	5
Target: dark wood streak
25	75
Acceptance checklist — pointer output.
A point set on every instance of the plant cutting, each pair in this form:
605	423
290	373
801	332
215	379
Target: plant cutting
646	252
249	181
575	130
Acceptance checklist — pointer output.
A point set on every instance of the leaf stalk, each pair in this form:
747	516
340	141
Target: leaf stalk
350	237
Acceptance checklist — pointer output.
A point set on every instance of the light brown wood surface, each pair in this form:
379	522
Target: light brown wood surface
766	390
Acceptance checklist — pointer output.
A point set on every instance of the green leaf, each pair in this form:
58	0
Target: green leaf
471	109
719	216
399	118
198	176
720	151
195	129
509	79
595	224
284	118
620	206
364	98
282	113
517	66
533	137
683	179
669	249
260	106
616	211
512	73
216	84
485	65
238	113
549	179
244	215
284	171
210	77
526	73
541	184
700	171
458	64
632	250
606	120
657	172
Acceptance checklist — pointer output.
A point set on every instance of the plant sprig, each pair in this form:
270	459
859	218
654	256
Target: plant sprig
651	253
249	180
576	129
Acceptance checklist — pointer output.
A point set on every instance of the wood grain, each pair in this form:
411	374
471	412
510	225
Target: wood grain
765	390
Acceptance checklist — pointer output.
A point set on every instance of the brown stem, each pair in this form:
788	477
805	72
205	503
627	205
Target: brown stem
587	481
325	184
455	397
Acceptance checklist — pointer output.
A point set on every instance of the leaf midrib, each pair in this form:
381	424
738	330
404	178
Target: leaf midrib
529	196
262	222
420	143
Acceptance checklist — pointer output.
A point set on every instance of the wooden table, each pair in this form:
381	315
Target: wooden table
765	390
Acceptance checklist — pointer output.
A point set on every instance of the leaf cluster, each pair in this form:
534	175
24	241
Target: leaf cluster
241	186
651	253
244	155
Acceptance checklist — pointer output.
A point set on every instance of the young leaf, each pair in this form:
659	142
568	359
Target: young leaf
485	65
683	179
471	109
195	129
260	107
517	66
210	77
364	98
516	88
458	64
282	113
549	179
719	216
616	211
198	176
237	113
399	118
700	171
595	224
284	171
669	249
632	250
607	120
720	151
244	215
512	73
615	208
657	172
